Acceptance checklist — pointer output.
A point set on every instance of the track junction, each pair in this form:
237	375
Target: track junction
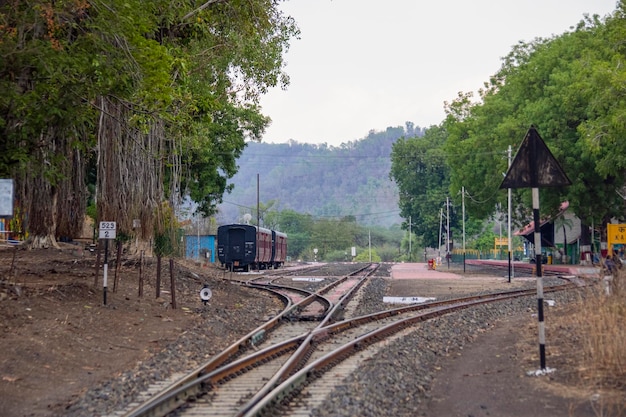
282	366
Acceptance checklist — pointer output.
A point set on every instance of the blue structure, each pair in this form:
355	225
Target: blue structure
203	245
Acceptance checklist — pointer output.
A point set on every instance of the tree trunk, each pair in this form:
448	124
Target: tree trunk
52	191
130	172
41	209
72	198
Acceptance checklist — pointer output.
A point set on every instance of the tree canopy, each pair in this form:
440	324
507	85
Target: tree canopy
570	87
129	104
547	83
419	168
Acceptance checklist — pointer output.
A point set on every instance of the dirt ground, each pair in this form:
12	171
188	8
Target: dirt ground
498	374
57	338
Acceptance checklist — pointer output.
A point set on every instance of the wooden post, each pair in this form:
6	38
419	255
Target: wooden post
158	277
172	283
141	275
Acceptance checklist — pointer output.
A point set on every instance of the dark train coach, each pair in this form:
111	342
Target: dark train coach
245	247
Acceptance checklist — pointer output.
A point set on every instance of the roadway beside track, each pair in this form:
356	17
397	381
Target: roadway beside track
500	267
576	270
416	280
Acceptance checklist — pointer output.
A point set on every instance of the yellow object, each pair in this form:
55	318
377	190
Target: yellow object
615	233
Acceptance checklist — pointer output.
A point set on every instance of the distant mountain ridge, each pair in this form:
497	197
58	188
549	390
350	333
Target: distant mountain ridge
321	180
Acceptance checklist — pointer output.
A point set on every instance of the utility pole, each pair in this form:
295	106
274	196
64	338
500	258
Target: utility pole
448	230
410	239
440	227
463	211
258	221
509	223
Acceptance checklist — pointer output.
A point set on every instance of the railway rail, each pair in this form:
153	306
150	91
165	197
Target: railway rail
271	365
342	342
296	318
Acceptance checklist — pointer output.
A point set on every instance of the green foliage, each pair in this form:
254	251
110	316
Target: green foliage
570	88
226	56
44	86
388	253
338	256
415	245
331	235
554	85
123	237
484	242
163	244
333	239
420	170
352	179
367	255
299	228
92	211
195	72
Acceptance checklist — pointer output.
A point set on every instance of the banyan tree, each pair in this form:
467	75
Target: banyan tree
130	106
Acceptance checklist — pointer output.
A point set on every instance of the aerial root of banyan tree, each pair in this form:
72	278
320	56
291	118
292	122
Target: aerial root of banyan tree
42	242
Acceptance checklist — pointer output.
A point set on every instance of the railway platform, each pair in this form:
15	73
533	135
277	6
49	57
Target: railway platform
576	270
421	270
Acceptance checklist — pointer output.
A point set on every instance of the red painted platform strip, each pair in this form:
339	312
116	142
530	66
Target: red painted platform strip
420	270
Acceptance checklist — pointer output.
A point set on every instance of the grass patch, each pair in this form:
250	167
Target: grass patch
598	323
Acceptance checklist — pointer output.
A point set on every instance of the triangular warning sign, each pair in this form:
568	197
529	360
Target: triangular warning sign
534	166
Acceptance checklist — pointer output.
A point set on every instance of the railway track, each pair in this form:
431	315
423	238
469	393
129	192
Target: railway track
346	344
300	315
267	367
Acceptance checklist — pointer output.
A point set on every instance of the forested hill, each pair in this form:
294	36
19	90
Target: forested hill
324	181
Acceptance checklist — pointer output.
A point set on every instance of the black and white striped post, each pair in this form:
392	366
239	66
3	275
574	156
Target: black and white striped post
107	232
539	260
535	167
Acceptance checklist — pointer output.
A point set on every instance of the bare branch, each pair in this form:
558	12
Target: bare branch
204	6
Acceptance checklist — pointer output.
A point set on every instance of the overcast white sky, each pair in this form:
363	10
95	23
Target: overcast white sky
370	64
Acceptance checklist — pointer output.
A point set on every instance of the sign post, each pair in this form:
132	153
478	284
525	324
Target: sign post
500	241
106	232
535	167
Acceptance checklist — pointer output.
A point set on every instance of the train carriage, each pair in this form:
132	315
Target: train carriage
245	247
279	249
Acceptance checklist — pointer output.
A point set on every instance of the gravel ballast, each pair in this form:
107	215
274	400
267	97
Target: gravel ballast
396	382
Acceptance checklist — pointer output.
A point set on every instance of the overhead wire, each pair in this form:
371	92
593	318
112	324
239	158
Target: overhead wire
322	216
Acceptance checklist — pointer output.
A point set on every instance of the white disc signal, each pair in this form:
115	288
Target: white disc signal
205	294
